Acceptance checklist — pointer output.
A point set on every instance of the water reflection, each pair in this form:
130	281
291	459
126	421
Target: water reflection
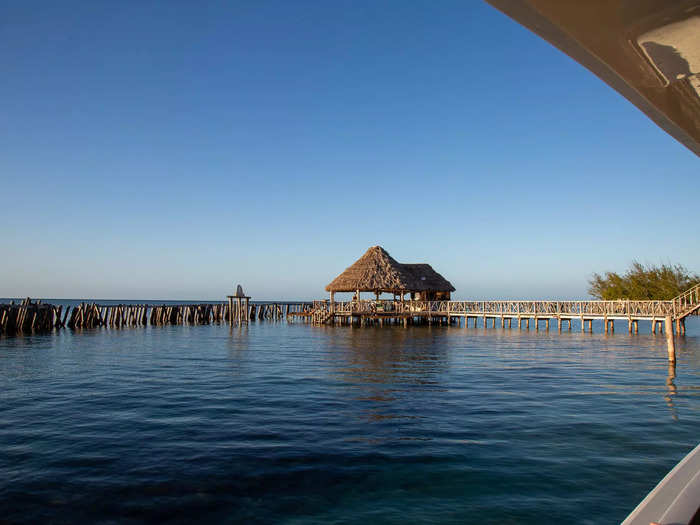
396	357
388	369
238	343
671	390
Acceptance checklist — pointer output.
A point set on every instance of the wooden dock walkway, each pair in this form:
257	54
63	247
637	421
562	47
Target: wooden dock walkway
505	312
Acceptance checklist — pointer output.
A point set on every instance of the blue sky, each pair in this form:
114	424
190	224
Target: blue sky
171	150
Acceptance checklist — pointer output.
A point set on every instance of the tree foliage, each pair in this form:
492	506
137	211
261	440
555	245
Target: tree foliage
643	283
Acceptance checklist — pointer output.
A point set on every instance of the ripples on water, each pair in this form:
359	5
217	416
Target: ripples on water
276	422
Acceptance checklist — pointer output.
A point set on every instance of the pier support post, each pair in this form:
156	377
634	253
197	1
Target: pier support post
612	326
559	324
527	323
670	344
583	325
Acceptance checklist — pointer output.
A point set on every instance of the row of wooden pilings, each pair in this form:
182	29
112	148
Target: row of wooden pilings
662	325
608	324
585	323
30	316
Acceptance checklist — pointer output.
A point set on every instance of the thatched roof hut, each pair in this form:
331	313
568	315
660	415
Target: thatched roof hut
377	271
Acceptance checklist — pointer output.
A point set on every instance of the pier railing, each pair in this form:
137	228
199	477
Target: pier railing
598	309
687	302
555	308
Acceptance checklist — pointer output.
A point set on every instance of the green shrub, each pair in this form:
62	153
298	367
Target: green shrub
643	283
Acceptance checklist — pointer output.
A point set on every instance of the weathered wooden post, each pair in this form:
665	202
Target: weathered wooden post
670	344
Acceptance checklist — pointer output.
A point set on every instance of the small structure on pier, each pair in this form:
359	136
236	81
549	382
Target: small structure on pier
240	312
378	272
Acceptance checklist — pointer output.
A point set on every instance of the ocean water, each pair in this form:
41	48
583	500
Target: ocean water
290	423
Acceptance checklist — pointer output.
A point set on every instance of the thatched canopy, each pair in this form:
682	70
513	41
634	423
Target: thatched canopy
377	271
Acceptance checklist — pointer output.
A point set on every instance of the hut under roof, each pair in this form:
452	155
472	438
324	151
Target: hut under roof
377	271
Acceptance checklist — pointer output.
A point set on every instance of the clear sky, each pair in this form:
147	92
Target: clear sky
168	150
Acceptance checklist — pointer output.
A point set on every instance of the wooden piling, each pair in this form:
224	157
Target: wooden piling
670	344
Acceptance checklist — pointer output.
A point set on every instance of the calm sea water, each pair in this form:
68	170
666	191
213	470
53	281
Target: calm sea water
291	423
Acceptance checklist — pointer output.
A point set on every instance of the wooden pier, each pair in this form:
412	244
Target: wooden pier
665	317
505	312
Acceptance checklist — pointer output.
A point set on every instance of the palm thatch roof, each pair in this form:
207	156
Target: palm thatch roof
377	271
